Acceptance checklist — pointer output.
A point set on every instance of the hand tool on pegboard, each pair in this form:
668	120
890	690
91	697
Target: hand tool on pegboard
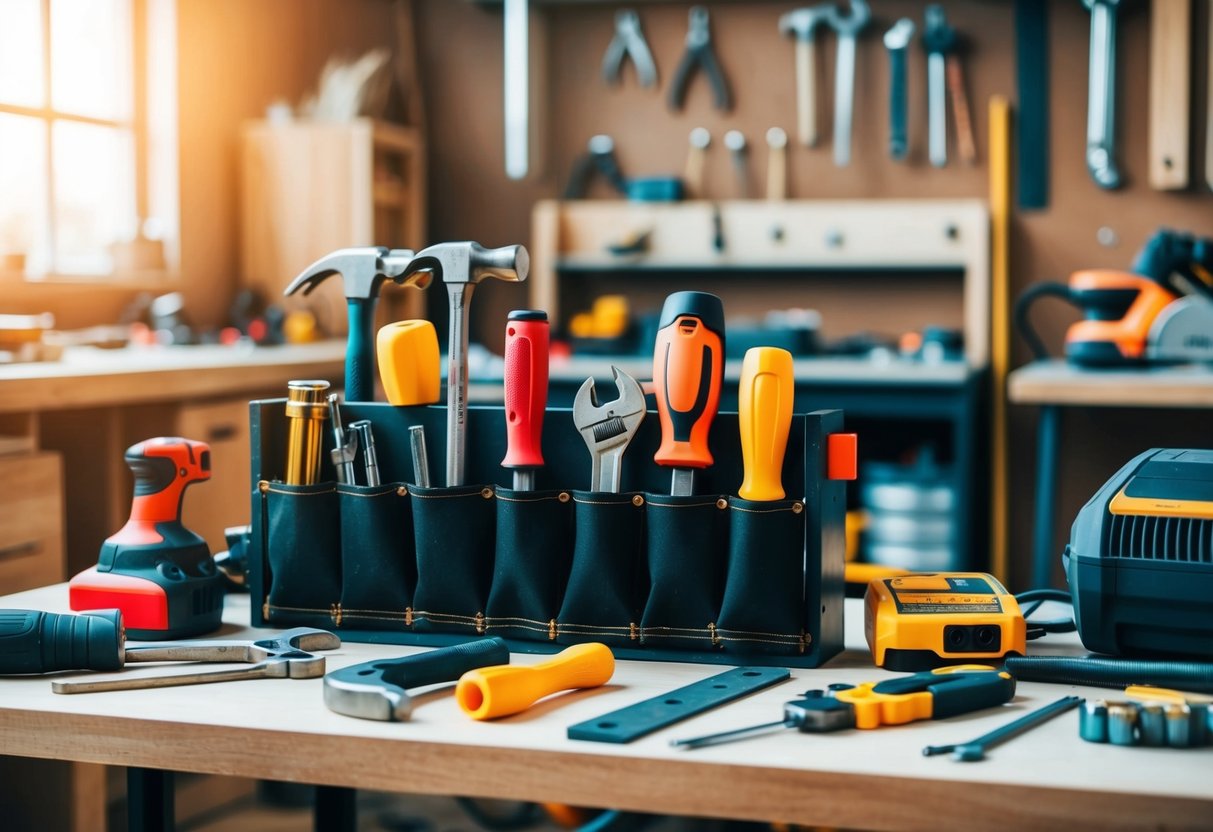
697	151
896	42
734	141
378	689
362	272
608	428
1101	94
1032	88
802	24
974	750
1170	84
777	163
526	393
628	42
492	692
599	156
936	694
764	416
461	266
699	55
516	85
847	28
966	145
156	571
688	369
938	38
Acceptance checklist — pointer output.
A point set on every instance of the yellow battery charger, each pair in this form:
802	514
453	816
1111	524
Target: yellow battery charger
925	620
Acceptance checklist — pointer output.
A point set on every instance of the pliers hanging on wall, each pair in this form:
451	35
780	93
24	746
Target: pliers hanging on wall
699	54
628	42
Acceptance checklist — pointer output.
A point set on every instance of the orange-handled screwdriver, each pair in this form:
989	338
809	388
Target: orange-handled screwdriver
764	413
490	692
688	369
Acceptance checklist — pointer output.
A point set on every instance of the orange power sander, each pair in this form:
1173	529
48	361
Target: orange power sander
155	570
1160	312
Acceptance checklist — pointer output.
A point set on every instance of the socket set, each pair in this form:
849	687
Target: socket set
1149	724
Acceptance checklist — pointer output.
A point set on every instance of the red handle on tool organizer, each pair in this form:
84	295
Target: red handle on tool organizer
526	387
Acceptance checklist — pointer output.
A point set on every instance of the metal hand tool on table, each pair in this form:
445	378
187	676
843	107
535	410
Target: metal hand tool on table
688	370
461	266
764	418
370	459
939	39
734	140
699	55
777	163
526	393
896	42
1101	94
848	29
363	271
628	42
976	749
345	445
608	428
286	655
697	152
803	24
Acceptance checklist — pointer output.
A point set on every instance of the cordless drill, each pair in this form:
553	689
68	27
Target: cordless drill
157	572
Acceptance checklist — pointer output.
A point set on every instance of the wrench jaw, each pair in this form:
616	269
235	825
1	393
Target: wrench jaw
608	428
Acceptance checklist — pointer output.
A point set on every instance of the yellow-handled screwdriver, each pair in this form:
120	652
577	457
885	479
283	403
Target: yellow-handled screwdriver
490	692
764	414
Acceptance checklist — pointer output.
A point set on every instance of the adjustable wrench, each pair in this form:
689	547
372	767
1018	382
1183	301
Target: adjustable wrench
896	40
939	39
1101	100
848	29
608	428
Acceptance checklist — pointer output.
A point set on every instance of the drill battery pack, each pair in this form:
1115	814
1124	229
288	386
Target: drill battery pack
921	621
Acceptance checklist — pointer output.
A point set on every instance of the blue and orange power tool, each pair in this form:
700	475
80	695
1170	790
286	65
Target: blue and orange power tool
157	572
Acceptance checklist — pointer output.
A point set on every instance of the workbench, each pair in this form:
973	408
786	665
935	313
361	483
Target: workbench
280	729
1055	384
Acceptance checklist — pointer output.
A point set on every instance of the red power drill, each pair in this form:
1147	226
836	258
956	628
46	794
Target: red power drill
157	572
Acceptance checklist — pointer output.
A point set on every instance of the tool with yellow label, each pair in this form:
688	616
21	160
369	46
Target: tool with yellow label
933	694
913	622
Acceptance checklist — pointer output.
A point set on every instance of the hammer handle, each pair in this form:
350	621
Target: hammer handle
359	355
806	92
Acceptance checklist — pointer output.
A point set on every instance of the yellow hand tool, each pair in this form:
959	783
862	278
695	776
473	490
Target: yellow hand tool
764	413
491	692
409	363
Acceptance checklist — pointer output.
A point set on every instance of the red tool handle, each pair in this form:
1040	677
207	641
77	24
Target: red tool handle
526	387
688	369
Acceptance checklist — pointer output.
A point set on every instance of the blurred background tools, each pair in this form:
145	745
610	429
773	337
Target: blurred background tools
410	364
283	656
735	143
1151	716
608	428
974	750
345	444
699	55
908	509
777	163
764	414
628	42
379	689
306	410
492	692
939	39
847	27
599	157
526	393
1101	96
688	370
935	694
158	573
896	43
461	266
362	272
802	24
698	142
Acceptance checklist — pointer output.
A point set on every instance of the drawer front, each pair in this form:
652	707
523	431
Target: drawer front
31	521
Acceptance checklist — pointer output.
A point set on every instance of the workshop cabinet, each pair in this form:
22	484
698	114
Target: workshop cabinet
31	524
210	507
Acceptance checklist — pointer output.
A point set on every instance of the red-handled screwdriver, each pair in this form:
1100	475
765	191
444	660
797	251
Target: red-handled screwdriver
688	369
526	393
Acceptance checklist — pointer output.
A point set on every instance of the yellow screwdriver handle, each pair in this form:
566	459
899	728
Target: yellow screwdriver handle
409	362
490	692
764	413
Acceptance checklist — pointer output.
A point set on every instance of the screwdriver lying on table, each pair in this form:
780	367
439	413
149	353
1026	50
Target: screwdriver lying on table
933	694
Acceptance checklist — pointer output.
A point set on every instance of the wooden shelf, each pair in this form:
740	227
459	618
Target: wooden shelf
1058	383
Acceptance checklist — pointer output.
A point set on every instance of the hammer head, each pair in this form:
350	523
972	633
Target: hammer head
362	271
470	263
802	22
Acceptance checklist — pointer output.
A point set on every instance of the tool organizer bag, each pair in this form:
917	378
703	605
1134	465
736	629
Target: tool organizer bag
708	577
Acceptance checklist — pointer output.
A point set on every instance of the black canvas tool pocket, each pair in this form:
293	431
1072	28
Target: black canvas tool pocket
453	534
687	550
531	566
763	609
378	572
302	524
605	583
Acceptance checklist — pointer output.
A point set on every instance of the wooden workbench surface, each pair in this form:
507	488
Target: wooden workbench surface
91	377
1056	382
280	729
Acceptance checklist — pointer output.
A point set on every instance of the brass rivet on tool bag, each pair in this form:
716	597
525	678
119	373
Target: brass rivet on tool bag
265	609
633	631
637	500
722	503
402	491
797	508
263	486
480	623
552	630
408	616
712	631
335	614
563	496
487	493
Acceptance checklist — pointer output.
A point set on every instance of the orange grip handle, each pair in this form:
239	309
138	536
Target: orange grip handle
164	467
526	387
688	370
764	414
490	692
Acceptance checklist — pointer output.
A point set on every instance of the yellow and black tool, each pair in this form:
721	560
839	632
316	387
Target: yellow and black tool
918	621
764	415
933	694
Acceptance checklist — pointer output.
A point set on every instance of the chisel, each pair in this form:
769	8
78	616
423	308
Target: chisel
526	393
764	414
688	368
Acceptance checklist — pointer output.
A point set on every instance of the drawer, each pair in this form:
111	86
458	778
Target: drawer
31	521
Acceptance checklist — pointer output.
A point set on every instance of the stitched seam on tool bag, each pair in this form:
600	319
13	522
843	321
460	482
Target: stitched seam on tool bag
527	625
391	490
592	629
478	493
301	493
532	500
704	631
327	613
765	510
747	635
627	502
711	502
446	618
374	613
696	635
497	619
366	616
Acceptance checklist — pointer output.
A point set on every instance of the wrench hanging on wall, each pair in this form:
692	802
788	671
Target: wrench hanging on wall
517	89
848	29
1101	100
896	40
939	39
803	23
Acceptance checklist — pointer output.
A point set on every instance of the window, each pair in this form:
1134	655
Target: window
87	143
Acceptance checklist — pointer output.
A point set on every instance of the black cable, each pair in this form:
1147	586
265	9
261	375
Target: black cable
1022	304
1109	672
1031	600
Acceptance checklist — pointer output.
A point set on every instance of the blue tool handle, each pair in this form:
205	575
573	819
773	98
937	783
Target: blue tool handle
897	104
960	693
445	664
359	352
44	642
